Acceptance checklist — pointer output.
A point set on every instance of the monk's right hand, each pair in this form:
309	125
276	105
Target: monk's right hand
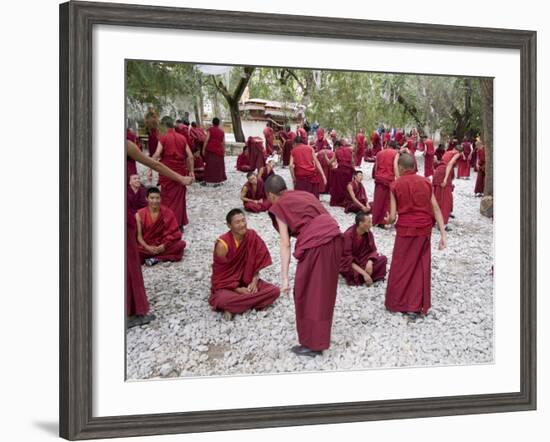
443	183
186	180
284	285
442	243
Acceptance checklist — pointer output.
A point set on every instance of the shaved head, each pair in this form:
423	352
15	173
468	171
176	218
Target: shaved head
275	184
406	161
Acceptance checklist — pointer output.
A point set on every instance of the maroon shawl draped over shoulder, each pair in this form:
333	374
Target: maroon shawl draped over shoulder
238	268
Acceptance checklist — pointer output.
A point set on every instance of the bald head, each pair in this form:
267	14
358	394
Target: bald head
406	161
275	184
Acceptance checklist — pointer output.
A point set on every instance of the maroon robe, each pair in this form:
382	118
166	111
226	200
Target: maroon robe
327	168
196	138
444	195
305	172
152	140
243	163
259	194
320	143
318	251
183	129
136	298
360	194
287	147
268	135
214	170
360	143
136	200
164	230
463	163
174	156
256	153
360	249
237	269
199	168
480	179
429	153
132	136
384	175
301	132
341	176
409	280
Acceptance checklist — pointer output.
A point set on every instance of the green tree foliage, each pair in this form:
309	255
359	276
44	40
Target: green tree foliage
345	101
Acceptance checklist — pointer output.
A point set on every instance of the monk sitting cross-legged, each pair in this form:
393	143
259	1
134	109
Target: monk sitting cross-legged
409	280
361	263
239	255
253	194
158	233
356	198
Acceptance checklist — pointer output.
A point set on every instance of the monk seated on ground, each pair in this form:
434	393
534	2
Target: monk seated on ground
356	198
137	194
239	255
361	263
253	194
158	233
243	161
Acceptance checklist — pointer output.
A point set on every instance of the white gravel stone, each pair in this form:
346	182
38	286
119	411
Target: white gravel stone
189	339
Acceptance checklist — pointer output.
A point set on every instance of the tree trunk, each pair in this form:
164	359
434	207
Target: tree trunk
487	139
236	121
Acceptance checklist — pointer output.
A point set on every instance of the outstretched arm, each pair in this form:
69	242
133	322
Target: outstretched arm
440	223
285	253
137	155
449	168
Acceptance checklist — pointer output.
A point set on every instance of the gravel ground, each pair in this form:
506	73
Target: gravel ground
189	339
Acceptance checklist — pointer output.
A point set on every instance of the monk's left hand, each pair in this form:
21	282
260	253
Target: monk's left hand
253	287
442	243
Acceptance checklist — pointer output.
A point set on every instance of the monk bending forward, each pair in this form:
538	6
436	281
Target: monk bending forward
318	252
409	281
239	255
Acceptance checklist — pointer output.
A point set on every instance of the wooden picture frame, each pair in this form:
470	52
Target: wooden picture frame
76	242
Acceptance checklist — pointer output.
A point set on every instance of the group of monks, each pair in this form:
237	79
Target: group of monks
402	197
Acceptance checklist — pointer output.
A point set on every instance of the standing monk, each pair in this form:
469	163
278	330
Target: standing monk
429	153
463	163
305	168
360	147
213	152
137	305
321	142
480	179
409	281
173	151
239	255
287	145
384	172
439	152
151	127
361	263
356	199
341	175
443	182
253	194
325	156
318	251
158	233
196	137
302	133
256	153
268	135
